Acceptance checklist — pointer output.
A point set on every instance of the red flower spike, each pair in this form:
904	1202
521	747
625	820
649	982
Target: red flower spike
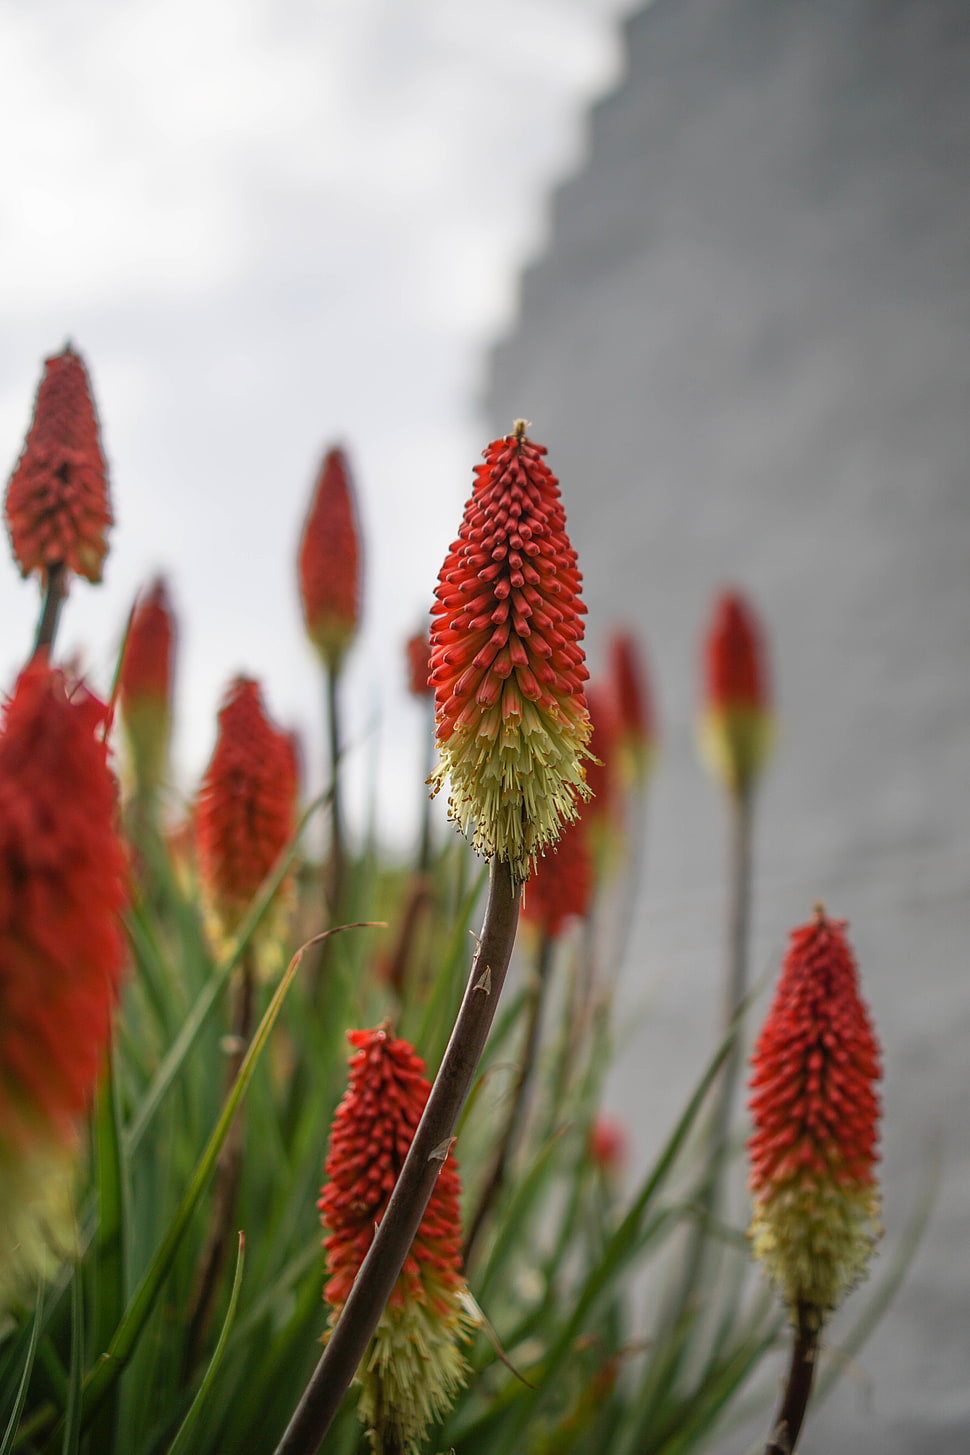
815	1112
419	665
507	661
631	690
562	885
57	506
414	1366
330	562
145	686
63	887
609	1145
245	814
737	725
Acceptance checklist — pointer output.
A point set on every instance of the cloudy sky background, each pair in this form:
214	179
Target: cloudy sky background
271	225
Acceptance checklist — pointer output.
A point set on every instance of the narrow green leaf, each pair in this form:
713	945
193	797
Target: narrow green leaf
180	1445
72	1415
6	1444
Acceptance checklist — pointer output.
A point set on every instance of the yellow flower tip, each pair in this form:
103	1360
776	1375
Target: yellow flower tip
507	663
37	1228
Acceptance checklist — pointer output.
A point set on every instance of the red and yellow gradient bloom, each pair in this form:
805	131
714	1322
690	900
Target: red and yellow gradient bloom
815	1112
245	814
637	734
414	1366
737	725
63	887
419	665
145	686
57	507
329	562
507	661
561	887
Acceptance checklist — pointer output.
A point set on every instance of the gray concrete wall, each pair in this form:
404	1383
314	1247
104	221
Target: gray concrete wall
748	350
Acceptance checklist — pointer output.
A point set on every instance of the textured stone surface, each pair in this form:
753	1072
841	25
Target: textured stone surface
748	349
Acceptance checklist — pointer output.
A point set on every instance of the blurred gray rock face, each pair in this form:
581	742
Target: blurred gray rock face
748	350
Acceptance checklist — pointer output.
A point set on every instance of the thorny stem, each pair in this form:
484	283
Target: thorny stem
518	1103
791	1413
229	1169
53	601
379	1271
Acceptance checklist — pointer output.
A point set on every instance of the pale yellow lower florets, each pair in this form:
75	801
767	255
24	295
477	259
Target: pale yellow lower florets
37	1229
736	743
515	785
413	1370
815	1240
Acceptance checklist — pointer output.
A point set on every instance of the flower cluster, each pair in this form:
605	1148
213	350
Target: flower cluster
815	1112
57	507
246	809
507	661
63	886
145	686
329	562
414	1366
736	726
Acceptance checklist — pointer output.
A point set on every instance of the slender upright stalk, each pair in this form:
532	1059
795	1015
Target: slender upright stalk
432	1140
519	1102
337	865
51	611
736	967
228	1173
791	1413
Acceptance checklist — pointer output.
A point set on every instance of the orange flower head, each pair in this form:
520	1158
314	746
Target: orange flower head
414	1366
561	887
737	725
815	1112
145	686
609	1144
245	814
634	701
63	887
419	665
57	507
330	562
507	661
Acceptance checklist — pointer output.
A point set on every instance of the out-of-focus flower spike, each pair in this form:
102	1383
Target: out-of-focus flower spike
561	887
815	1112
635	714
609	1145
419	665
329	562
145	687
245	814
414	1366
63	887
507	661
737	726
57	506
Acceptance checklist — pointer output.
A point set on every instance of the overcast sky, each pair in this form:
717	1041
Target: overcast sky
270	225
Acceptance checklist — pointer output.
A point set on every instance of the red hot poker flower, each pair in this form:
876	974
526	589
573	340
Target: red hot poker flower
631	690
246	809
737	726
507	661
57	506
414	1366
562	885
63	886
330	562
815	1111
419	665
145	685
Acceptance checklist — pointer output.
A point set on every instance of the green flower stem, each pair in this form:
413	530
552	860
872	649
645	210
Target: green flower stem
379	1271
51	611
337	847
737	943
791	1413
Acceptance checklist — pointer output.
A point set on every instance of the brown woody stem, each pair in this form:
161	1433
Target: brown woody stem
379	1271
791	1412
51	611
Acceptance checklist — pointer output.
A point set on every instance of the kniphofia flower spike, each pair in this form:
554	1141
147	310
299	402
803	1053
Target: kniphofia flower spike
246	809
330	562
57	506
507	661
63	886
737	725
414	1365
634	702
145	686
815	1112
